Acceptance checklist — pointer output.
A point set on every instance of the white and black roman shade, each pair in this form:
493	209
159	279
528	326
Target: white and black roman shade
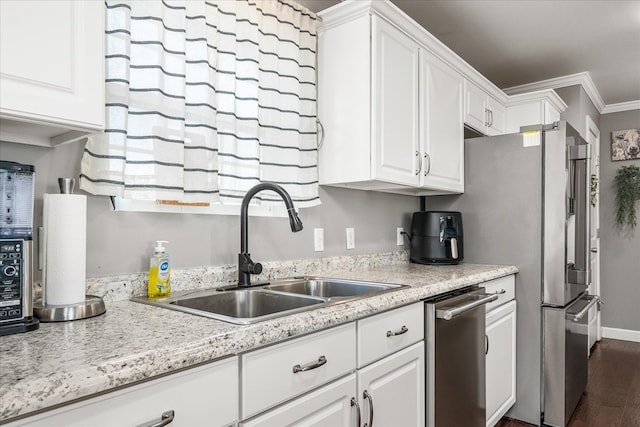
204	99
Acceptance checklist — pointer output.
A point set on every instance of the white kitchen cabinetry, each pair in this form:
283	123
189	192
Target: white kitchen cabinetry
391	110
330	406
51	70
278	373
482	111
541	107
392	390
207	395
500	349
390	363
395	93
442	128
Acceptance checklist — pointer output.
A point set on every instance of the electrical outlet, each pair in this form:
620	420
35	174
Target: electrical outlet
318	239
399	236
351	238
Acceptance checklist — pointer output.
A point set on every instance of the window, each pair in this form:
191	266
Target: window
205	99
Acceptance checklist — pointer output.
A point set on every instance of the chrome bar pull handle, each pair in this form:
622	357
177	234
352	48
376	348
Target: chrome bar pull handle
419	163
310	366
453	312
427	168
354	402
166	418
486	344
403	330
367	396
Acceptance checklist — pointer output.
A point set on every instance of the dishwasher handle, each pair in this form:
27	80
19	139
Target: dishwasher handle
450	313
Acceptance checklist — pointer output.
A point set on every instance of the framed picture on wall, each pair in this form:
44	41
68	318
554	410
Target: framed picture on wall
625	144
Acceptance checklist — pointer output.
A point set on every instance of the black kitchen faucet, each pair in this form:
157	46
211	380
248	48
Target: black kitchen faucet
246	267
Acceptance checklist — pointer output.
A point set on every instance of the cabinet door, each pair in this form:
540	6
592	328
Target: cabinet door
52	62
551	113
207	395
497	117
475	114
442	130
501	361
329	406
395	105
392	390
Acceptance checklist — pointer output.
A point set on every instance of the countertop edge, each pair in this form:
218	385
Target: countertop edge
27	398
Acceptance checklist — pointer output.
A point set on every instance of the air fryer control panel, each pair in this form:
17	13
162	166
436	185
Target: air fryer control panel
12	278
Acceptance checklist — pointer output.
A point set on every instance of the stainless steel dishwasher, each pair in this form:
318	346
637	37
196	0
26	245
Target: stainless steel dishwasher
455	331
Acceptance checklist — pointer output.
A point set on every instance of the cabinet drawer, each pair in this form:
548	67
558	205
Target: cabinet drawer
327	406
506	284
386	333
269	376
207	395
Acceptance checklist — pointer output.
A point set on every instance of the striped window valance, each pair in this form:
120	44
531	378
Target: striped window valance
205	99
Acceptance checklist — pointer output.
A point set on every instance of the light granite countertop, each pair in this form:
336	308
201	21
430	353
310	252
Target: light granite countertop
63	362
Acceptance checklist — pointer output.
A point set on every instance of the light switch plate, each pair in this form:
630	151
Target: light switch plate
318	239
351	238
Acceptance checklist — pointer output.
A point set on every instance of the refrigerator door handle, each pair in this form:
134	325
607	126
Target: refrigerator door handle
579	315
450	313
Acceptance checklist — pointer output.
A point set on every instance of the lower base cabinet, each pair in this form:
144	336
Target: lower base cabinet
207	395
385	388
392	391
500	361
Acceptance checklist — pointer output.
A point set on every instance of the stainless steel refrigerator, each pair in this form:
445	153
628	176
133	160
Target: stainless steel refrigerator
526	203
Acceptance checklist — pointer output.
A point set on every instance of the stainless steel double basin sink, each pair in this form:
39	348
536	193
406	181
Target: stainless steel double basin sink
262	302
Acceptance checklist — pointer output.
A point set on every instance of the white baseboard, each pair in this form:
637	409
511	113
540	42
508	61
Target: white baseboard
621	334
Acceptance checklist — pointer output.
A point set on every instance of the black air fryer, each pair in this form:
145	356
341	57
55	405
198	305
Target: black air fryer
437	238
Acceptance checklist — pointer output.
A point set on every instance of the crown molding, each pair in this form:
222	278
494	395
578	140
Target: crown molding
583	79
548	95
620	107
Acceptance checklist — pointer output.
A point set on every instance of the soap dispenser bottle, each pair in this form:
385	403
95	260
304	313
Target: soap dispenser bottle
159	272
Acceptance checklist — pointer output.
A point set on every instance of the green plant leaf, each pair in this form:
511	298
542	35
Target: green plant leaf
627	182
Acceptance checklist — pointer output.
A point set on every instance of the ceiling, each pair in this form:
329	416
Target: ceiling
519	42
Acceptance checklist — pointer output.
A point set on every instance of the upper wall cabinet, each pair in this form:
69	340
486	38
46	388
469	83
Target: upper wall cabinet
541	107
390	108
483	112
51	70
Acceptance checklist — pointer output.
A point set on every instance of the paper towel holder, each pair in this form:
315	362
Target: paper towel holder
92	306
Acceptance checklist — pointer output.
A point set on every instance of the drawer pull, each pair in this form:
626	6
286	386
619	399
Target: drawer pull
500	292
402	330
165	418
313	365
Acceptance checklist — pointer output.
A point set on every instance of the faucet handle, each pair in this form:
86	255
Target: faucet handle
254	268
246	267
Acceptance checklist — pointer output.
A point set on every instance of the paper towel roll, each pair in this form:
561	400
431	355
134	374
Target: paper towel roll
65	244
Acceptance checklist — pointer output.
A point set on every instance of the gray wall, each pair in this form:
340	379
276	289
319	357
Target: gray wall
579	106
121	242
619	251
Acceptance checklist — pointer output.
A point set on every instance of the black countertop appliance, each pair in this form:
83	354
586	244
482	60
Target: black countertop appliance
436	237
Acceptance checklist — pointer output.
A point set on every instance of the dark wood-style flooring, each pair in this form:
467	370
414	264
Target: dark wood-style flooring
612	397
